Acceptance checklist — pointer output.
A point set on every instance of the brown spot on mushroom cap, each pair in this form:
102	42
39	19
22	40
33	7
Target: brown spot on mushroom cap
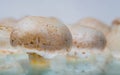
84	37
41	33
95	24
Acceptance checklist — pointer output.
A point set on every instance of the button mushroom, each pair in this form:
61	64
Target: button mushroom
43	38
89	52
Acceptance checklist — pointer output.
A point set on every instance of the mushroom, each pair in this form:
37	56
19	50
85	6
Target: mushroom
114	38
89	54
88	38
6	27
43	38
94	23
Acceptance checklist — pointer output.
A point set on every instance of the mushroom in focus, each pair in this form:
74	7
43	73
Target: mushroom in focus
43	38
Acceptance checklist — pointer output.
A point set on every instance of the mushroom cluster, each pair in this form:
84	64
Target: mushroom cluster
53	48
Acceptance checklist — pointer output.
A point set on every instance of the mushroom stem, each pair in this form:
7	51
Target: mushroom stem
39	65
38	61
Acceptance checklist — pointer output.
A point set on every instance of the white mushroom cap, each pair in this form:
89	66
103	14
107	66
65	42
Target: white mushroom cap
42	34
94	23
84	37
86	41
114	38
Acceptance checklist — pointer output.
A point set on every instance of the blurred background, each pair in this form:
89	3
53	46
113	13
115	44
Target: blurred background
69	11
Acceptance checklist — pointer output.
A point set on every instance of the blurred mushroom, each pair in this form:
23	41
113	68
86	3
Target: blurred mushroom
84	37
114	38
94	23
89	52
87	38
6	27
43	38
8	22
